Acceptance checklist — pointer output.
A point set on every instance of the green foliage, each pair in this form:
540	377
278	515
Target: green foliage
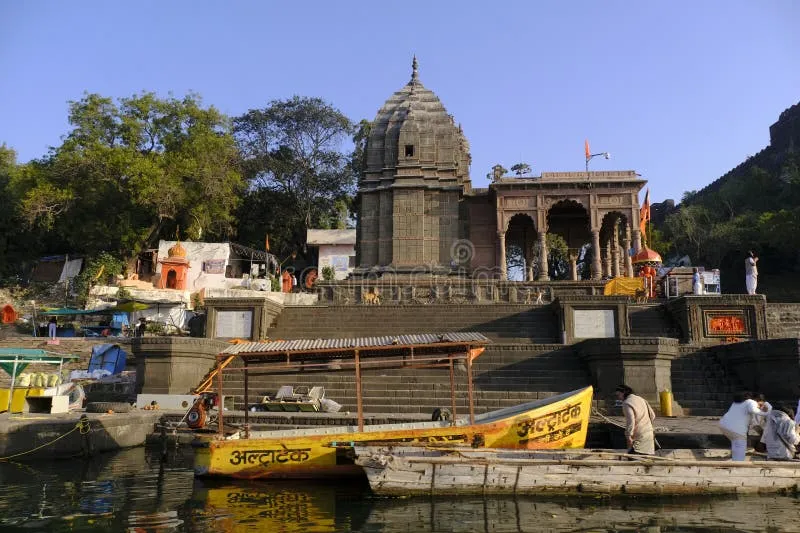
498	171
520	169
328	274
123	294
298	173
753	210
100	269
130	172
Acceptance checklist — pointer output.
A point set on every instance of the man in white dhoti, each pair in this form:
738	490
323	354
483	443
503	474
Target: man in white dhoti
751	272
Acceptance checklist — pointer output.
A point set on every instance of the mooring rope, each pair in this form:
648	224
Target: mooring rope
83	426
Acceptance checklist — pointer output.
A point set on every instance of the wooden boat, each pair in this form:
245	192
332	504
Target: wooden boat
410	470
557	422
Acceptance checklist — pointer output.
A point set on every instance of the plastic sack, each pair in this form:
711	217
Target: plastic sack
53	380
38	380
23	380
329	406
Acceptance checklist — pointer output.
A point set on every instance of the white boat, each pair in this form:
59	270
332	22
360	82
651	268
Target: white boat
416	470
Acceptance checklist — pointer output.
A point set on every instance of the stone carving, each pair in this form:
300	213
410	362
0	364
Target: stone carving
372	298
518	203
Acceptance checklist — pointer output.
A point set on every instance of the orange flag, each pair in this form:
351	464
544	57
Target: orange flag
644	213
266	242
586	148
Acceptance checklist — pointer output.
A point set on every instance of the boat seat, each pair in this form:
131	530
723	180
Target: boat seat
285	391
290	399
316	393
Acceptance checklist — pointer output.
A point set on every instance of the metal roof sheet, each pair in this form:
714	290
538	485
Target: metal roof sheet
356	342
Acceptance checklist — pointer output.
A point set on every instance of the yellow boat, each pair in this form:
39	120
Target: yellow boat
557	422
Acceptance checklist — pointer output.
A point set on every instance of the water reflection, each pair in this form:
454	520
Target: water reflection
103	493
136	492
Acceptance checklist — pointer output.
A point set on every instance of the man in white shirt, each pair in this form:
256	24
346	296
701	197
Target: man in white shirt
639	418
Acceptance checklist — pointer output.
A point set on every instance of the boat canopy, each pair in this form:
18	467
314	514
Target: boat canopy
16	360
428	350
69	311
22	357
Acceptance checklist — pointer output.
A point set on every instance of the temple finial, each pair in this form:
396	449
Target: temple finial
414	67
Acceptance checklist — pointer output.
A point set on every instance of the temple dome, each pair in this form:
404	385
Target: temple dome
177	250
413	128
646	255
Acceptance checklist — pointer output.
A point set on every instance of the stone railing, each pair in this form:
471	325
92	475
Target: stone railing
449	291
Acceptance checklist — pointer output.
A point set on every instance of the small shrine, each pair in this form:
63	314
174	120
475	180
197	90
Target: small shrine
174	268
646	264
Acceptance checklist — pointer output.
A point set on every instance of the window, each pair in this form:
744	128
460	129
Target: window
409	150
352	262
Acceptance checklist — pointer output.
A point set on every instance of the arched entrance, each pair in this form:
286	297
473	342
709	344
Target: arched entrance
519	242
570	220
172	279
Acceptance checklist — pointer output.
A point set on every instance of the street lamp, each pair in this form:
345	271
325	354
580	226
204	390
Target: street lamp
589	158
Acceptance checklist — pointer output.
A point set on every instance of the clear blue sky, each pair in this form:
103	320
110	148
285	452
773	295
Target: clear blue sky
679	91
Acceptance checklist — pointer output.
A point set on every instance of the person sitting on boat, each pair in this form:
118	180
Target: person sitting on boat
781	434
639	418
736	422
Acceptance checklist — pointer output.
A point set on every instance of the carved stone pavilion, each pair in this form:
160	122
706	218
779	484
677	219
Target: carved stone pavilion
420	213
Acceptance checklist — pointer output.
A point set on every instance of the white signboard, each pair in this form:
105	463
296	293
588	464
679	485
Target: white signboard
594	323
234	324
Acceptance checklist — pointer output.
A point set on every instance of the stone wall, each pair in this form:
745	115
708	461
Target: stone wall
771	367
712	320
173	365
783	320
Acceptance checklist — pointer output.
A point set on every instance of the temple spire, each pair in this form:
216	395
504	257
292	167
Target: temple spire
414	69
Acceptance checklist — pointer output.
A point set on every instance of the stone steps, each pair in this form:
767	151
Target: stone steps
501	323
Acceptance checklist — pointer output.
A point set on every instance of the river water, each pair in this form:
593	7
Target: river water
135	491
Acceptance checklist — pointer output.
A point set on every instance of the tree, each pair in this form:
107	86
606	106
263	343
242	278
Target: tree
131	172
9	227
520	169
293	153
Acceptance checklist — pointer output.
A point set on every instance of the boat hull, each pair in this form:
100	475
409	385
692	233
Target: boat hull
407	471
554	423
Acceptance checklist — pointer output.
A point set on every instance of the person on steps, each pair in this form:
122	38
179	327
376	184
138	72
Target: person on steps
736	422
781	434
639	418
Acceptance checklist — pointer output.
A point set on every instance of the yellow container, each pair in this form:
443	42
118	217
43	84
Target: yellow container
666	402
18	402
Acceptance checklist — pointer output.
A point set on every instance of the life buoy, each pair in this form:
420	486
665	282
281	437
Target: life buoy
196	418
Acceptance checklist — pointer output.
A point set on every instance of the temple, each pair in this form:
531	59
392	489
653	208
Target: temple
420	214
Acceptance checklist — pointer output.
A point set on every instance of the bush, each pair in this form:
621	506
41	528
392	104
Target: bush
328	274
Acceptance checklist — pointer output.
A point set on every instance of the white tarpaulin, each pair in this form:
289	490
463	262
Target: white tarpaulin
72	267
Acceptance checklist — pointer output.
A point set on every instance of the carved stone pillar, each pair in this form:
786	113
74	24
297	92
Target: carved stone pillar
628	259
544	268
501	237
637	241
528	251
615	251
597	273
573	266
607	259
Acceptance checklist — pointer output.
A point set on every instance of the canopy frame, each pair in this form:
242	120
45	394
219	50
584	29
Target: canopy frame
25	356
393	356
